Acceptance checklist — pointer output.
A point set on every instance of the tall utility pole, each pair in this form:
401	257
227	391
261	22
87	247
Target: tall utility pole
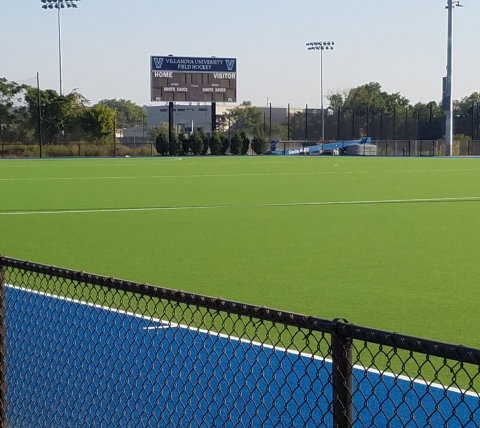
321	46
447	96
59	5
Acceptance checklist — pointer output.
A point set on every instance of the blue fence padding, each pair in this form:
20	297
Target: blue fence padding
314	149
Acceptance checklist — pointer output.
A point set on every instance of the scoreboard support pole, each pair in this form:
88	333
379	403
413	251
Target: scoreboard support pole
170	122
214	117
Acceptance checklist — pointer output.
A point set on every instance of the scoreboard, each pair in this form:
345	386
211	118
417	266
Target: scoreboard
193	79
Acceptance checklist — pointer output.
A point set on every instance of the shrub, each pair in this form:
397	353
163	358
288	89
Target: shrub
204	138
259	145
225	145
215	143
174	146
196	143
184	142
161	143
236	144
246	143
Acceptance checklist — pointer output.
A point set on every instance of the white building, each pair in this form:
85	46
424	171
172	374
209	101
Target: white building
186	117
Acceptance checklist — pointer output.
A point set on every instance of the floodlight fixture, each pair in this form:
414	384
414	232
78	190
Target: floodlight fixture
321	46
59	5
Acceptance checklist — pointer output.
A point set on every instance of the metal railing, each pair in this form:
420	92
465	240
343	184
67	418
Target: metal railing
79	349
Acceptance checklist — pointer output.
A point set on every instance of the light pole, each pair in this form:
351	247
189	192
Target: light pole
448	100
321	46
59	5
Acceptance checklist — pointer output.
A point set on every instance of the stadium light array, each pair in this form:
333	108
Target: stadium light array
448	100
59	5
321	46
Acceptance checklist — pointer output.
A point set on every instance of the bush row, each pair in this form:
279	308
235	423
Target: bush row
200	144
75	150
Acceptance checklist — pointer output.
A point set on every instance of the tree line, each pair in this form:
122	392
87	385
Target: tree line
26	114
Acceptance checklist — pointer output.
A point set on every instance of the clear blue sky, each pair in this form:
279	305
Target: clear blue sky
107	45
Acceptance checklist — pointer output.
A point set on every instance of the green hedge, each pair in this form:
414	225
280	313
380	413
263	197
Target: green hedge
74	150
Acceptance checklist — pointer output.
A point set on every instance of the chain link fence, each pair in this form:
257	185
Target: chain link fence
78	349
121	148
426	148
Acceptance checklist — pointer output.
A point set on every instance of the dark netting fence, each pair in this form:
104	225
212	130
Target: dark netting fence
84	350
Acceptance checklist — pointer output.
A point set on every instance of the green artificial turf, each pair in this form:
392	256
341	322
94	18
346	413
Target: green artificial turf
408	266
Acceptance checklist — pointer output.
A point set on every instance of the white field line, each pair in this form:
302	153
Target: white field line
273	174
157	161
139	177
169	324
211	207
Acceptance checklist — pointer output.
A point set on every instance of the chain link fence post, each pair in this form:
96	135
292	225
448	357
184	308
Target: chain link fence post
342	379
3	350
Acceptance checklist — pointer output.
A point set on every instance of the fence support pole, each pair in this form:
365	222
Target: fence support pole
406	123
170	122
353	123
342	380
338	124
368	121
214	117
288	127
3	352
115	135
306	122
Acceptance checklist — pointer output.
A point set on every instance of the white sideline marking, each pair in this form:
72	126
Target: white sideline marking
169	324
273	174
211	207
155	327
122	177
93	305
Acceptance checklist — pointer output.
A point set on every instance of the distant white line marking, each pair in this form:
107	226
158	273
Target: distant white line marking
273	174
169	324
174	176
211	207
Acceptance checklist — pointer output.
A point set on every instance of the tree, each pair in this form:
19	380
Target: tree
196	143
161	142
464	106
245	144
15	123
259	144
9	95
242	118
368	96
236	144
184	142
204	139
97	122
128	113
280	131
337	99
60	113
215	143
225	144
174	145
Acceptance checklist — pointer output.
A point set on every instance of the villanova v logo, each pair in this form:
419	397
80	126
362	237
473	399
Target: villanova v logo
158	62
230	63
